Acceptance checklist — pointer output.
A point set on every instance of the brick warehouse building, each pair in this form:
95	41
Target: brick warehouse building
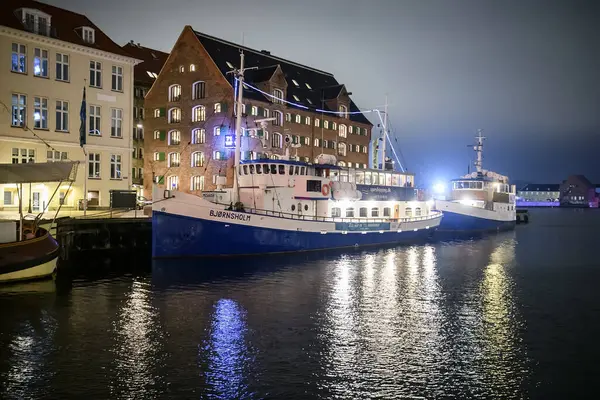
144	75
190	123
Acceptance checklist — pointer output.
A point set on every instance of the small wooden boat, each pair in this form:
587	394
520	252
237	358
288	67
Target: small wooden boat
28	251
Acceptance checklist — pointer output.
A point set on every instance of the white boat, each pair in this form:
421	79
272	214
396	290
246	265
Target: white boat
479	202
28	251
278	206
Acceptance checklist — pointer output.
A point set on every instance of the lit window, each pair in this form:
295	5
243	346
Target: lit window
307	121
276	140
278	115
230	65
173	182
156	112
342	149
19	110
115	166
217	155
343	110
288	117
40	112
197	182
174	138
326	124
217	108
197	159
350	129
181	69
150	74
198	136
333	126
217	131
317	122
173	160
174	92
198	114
343	131
254	110
19	58
298	118
308	86
40	63
174	115
192	67
295	83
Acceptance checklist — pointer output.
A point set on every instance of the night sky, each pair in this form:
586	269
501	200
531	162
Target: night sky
527	72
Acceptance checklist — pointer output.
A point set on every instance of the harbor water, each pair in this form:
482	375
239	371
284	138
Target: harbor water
511	315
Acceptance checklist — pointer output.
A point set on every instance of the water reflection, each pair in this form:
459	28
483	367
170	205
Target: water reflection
138	345
228	355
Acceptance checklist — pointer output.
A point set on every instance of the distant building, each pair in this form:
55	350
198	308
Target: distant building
578	191
190	114
145	74
536	192
49	55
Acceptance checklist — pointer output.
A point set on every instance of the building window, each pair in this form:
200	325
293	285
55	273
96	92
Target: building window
307	120
173	160
198	114
343	110
278	115
266	113
217	155
365	150
334	126
198	136
94	165
305	140
116	122
141	112
62	67
197	182
326	124
19	110
87	34
173	182
298	119
387	211
174	138
141	153
62	115
95	74
23	156
343	131
276	140
198	90
278	96
56	156
350	212
115	166
156	135
217	108
408	212
341	163
117	78
217	131
19	58
174	92
317	122
156	112
174	115
40	112
192	68
374	212
197	159
254	111
40	62
342	149
317	142
94	128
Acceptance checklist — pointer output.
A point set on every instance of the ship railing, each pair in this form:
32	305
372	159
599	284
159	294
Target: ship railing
302	217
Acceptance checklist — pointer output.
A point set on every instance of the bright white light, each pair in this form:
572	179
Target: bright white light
439	187
139	125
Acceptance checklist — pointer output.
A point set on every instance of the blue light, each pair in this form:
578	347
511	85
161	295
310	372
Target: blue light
229	140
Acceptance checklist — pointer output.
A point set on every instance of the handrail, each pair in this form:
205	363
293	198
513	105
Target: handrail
281	214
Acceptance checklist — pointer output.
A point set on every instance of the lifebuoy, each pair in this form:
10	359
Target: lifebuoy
325	189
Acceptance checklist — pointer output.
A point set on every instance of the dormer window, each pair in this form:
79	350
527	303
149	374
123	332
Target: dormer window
35	21
88	34
278	96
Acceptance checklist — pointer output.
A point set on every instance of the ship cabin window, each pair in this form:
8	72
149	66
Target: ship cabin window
408	212
273	169
368	178
265	168
360	178
388	179
302	171
395	180
281	169
418	212
362	212
336	212
313	186
252	169
291	170
350	212
245	169
259	169
387	211
374	212
475	185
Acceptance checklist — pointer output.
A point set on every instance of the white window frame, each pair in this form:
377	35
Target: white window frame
174	115
174	137
62	116
173	159
116	171
343	131
175	92
342	149
40	56
56	156
278	115
192	68
116	123
172	182
117	79
197	159
88	34
198	136
277	140
62	67
197	183
298	119
343	110
217	108
198	114
277	96
95	74
198	90
19	110
217	130
94	166
254	111
19	52
95	120
40	107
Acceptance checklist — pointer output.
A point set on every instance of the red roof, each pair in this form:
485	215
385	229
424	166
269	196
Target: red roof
63	25
153	61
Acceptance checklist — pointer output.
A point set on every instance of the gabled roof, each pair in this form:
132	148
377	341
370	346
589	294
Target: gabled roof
64	25
319	82
541	187
261	74
153	61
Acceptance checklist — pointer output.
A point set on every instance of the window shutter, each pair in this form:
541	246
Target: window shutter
259	132
161	156
224	107
259	111
163	112
161	179
162	135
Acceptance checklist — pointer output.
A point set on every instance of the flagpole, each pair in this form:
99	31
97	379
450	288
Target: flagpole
82	141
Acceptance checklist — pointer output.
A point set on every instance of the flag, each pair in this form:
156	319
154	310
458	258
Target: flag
82	116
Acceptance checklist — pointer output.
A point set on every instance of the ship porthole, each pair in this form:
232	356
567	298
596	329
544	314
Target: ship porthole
306	207
293	207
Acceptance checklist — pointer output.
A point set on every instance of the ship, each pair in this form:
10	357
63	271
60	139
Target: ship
480	202
286	205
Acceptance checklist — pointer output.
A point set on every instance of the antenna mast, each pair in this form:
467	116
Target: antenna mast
479	150
384	136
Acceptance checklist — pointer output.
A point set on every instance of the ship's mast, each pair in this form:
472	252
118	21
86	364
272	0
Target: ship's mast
239	75
479	150
384	136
